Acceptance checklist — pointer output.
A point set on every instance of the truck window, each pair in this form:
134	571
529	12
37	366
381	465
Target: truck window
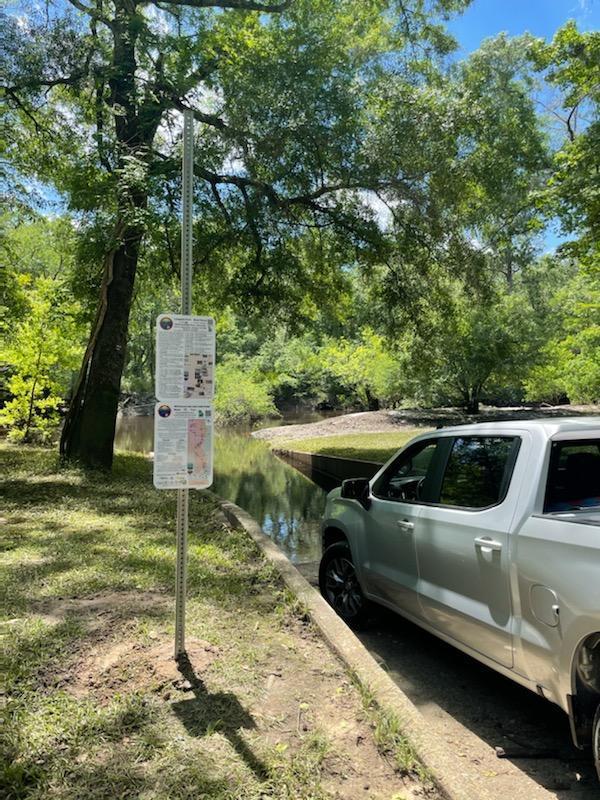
405	479
478	471
574	476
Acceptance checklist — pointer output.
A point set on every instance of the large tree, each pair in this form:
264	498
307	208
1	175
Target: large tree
571	65
285	93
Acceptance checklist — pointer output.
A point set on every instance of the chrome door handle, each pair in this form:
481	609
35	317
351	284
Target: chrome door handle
485	543
405	525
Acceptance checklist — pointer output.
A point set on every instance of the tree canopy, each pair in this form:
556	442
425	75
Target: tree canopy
378	200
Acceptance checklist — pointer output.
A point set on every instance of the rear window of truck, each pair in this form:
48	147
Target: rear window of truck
573	476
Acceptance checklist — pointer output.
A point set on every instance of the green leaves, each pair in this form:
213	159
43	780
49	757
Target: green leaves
571	63
41	337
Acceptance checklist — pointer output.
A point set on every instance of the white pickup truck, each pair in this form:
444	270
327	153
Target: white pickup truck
488	536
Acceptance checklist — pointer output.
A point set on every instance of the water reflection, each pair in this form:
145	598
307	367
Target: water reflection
286	503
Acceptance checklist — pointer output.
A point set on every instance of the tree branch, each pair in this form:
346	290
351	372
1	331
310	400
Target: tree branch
27	111
307	199
47	83
91	12
208	119
242	5
258	245
220	203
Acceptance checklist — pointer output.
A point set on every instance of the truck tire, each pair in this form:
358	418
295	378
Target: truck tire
339	585
596	740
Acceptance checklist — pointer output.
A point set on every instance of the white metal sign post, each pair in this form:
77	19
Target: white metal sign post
185	385
186	308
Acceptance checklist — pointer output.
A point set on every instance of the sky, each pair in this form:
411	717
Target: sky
485	18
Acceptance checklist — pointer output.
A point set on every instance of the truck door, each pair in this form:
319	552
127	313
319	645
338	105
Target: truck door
463	546
391	525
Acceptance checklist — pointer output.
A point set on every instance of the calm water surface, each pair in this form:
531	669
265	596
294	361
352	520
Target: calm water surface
286	503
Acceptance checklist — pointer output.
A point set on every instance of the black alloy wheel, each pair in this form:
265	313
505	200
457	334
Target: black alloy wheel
339	585
596	740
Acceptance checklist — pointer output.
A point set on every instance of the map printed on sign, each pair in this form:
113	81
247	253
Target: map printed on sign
183	445
185	357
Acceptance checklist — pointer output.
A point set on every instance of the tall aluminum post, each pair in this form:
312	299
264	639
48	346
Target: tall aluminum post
186	308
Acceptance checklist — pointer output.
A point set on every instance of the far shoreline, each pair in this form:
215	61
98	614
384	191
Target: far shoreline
405	419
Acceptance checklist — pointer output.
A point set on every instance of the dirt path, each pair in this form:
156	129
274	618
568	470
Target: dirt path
396	420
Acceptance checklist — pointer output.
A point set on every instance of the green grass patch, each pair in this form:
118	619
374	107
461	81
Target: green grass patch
388	734
87	566
365	446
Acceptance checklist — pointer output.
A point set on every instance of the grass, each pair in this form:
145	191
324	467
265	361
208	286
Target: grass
388	734
364	446
77	725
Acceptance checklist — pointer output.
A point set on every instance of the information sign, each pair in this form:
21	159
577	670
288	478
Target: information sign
183	445
185	357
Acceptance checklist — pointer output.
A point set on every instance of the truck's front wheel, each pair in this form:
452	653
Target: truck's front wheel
339	585
596	740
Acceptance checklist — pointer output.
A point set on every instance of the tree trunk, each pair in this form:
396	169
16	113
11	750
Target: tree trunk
472	406
472	402
372	402
89	429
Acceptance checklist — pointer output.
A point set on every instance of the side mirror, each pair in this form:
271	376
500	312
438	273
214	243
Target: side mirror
357	489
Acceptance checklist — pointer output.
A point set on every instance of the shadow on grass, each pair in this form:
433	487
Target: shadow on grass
220	712
97	757
107	498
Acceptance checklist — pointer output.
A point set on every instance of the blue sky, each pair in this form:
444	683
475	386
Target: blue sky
486	18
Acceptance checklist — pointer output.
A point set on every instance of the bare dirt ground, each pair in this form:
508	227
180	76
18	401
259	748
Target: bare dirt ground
395	420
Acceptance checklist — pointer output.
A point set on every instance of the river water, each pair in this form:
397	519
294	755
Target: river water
287	504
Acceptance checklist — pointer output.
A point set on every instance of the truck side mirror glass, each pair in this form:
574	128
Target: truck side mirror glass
357	489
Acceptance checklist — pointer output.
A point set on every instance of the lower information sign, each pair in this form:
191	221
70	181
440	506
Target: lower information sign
183	445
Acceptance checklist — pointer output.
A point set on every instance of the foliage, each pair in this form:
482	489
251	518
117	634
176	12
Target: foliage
240	397
294	103
315	369
570	366
572	64
508	156
40	333
368	214
292	368
466	347
366	369
41	352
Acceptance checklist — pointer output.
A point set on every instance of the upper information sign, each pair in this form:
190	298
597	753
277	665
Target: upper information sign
185	358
